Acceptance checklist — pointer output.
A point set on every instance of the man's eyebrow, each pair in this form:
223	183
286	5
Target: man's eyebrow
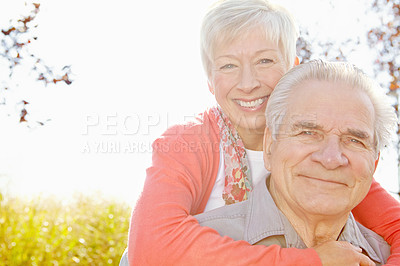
305	125
358	133
361	134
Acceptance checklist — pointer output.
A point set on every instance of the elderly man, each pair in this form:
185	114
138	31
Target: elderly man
326	123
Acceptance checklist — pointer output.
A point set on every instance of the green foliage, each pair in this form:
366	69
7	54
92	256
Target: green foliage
46	231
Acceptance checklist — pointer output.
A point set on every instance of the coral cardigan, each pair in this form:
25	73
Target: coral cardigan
178	185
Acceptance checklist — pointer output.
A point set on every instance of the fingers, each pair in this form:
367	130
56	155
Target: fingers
365	261
341	253
362	259
347	245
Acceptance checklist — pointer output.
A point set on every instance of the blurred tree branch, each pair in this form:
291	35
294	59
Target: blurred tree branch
386	40
16	39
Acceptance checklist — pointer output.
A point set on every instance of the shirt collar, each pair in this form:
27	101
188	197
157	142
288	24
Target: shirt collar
352	234
264	219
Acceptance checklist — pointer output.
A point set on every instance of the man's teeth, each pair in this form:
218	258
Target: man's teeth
251	104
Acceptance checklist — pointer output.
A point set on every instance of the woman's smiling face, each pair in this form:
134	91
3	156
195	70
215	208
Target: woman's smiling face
244	73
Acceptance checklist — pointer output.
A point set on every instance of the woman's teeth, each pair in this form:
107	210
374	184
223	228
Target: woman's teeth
251	104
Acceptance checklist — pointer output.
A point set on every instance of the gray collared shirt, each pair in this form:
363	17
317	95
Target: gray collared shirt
259	222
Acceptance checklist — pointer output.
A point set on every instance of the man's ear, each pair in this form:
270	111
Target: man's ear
210	88
267	142
296	61
377	161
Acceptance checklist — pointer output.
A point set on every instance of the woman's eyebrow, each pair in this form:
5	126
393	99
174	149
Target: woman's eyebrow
266	50
232	56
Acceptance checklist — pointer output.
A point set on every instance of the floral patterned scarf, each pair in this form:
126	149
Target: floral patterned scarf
237	173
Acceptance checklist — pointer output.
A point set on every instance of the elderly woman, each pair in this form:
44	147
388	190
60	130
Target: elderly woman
246	48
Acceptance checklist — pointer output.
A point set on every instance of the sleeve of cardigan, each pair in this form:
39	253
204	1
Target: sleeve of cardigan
380	212
164	232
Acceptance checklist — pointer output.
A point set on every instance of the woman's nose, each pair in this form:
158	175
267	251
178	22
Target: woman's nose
248	79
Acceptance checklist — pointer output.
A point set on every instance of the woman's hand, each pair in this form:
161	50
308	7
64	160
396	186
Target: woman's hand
341	253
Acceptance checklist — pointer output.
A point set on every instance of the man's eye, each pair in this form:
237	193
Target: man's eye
357	142
307	133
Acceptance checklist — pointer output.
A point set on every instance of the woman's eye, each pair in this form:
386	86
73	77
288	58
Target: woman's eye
265	61
227	66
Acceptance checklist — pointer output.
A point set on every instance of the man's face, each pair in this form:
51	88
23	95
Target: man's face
323	160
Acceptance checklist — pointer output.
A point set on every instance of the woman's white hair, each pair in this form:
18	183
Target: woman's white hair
386	121
229	19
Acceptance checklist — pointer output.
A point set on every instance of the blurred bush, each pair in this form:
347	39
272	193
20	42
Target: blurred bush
47	231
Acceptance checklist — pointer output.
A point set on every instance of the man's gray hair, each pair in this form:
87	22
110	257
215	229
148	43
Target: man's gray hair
386	121
228	19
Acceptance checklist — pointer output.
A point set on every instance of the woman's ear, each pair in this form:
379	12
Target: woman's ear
210	88
296	61
267	149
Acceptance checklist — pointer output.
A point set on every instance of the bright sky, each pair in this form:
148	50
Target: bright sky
137	70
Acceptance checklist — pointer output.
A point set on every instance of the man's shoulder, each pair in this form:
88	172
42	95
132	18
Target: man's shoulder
378	244
232	211
228	220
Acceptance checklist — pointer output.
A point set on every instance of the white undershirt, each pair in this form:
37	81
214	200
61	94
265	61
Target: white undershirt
257	171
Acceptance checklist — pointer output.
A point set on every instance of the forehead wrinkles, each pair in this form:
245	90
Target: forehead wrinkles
356	103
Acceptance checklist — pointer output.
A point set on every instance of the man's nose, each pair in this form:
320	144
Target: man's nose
330	153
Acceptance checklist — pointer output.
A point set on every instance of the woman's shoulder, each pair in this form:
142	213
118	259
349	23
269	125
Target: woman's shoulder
198	135
200	126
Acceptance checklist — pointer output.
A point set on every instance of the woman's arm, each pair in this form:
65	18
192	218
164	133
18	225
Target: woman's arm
163	232
380	212
178	185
